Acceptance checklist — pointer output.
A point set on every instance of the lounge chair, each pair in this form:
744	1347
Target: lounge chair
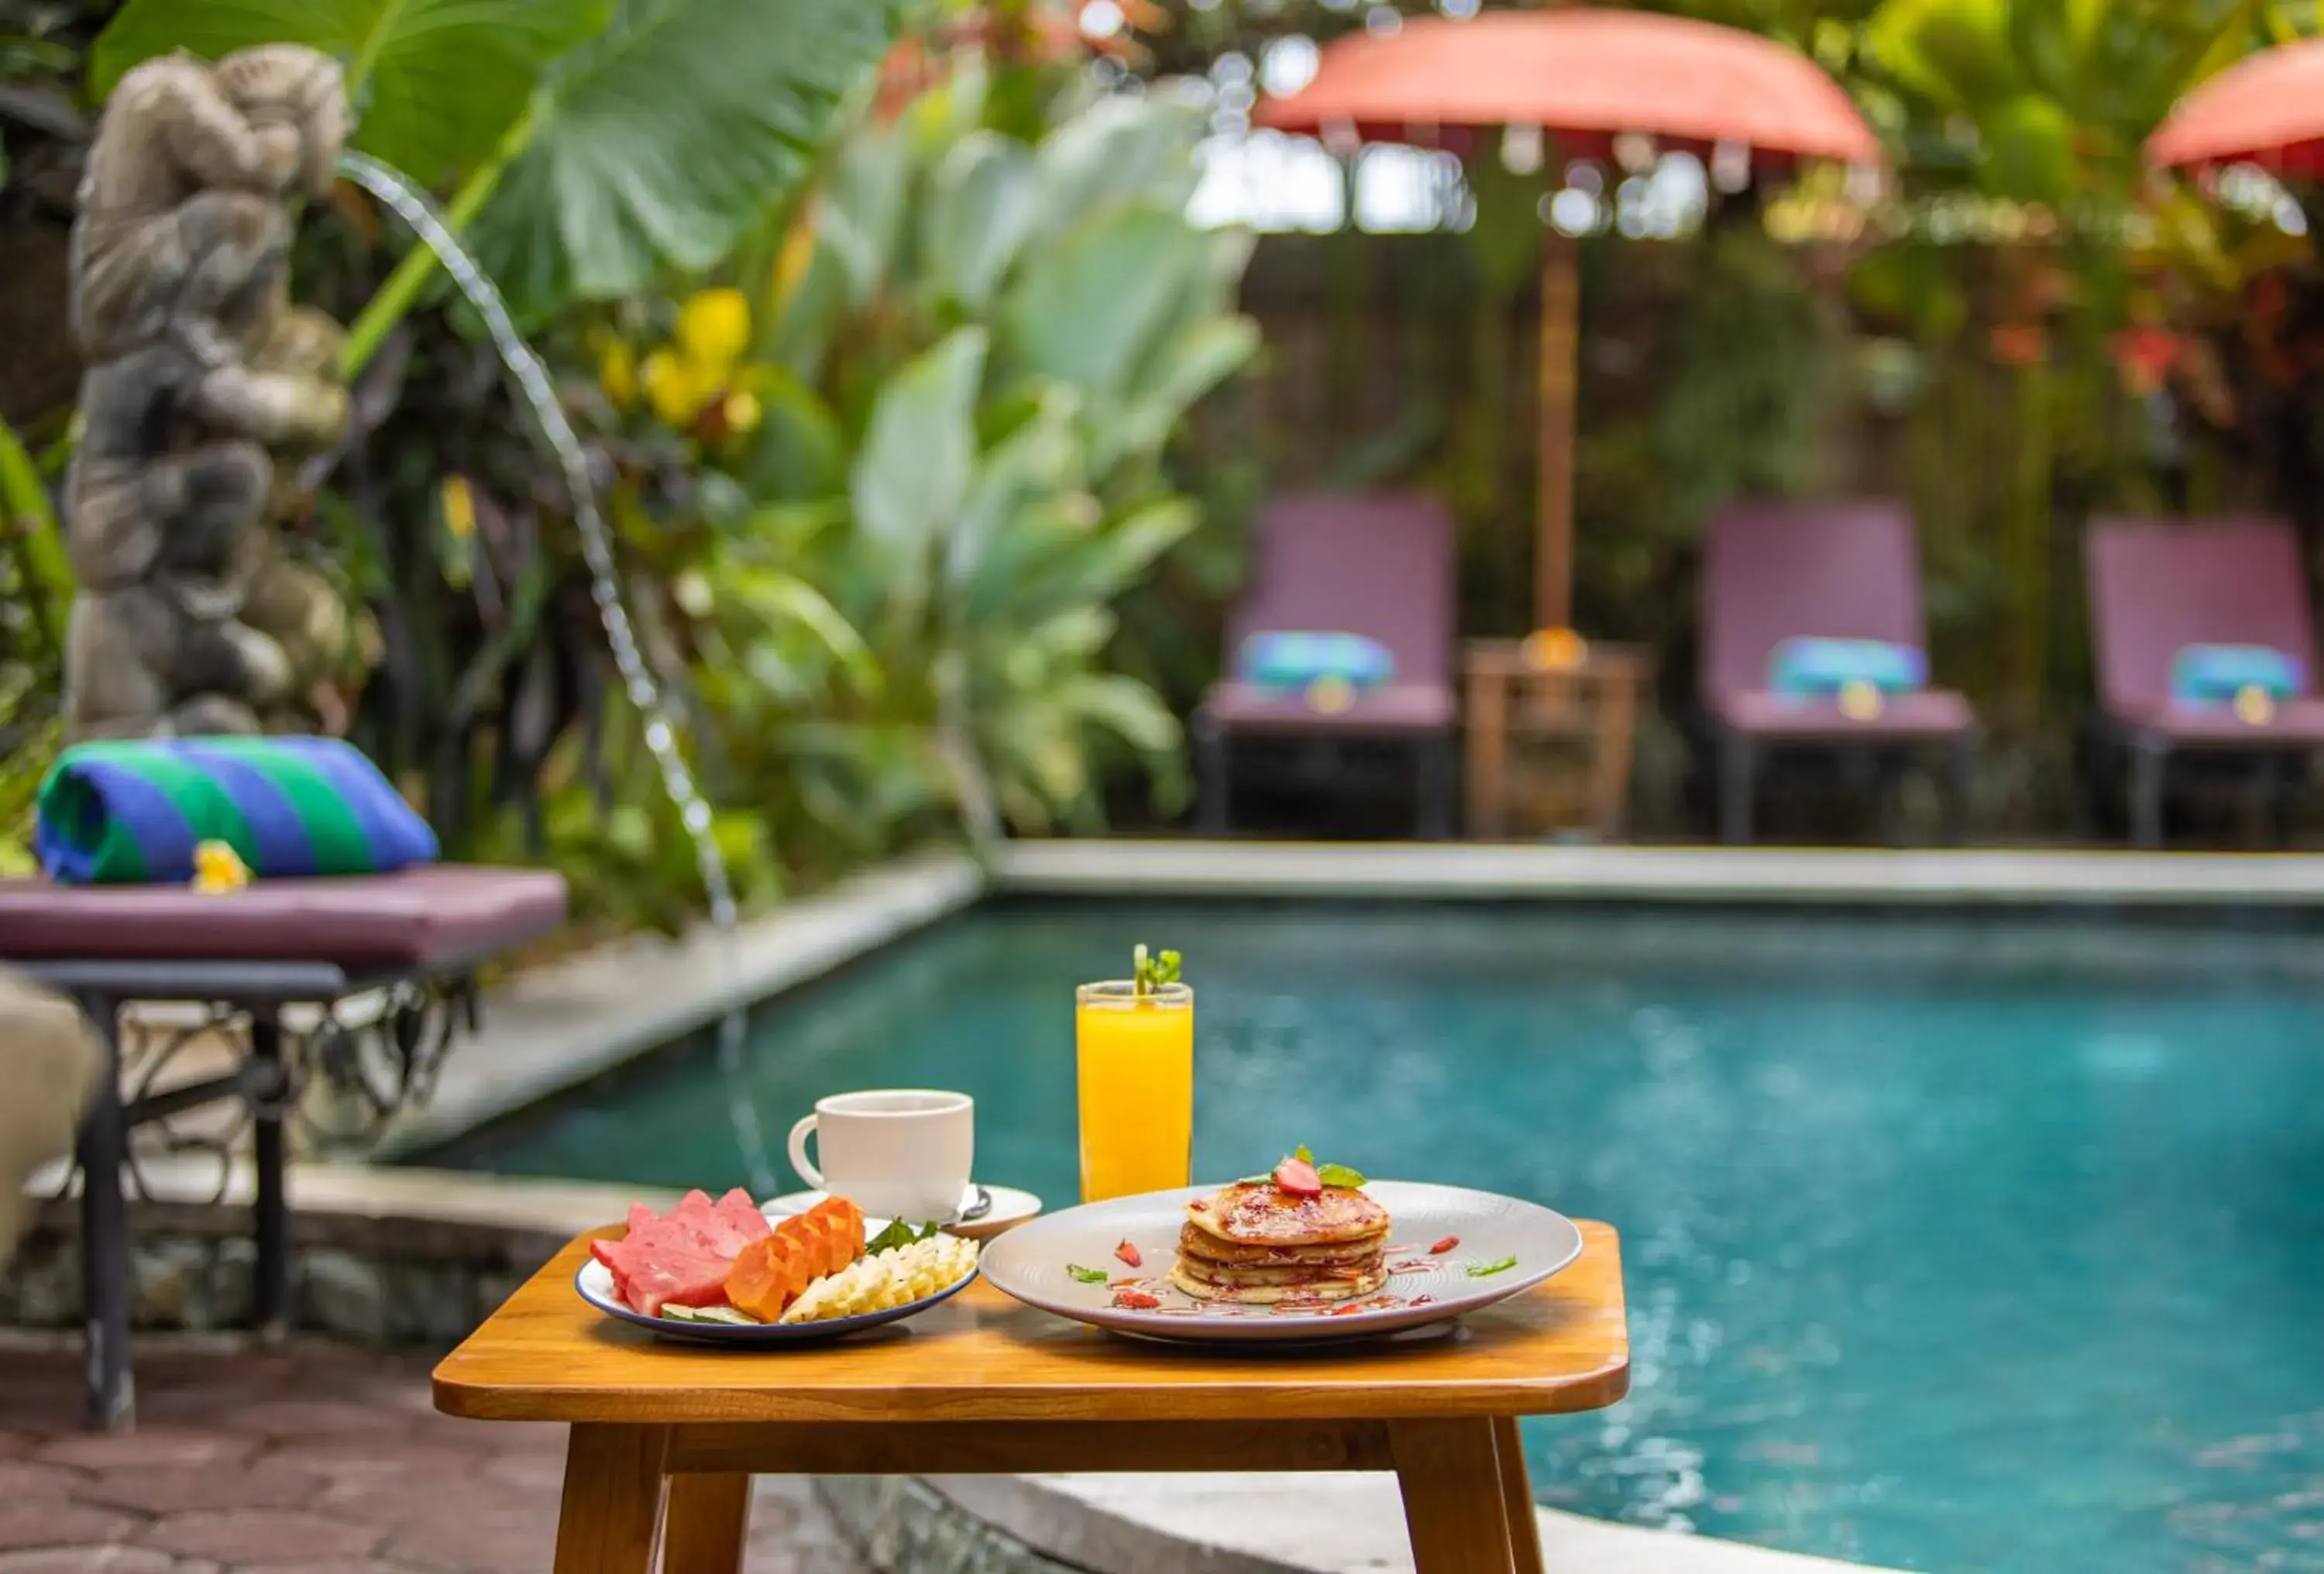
1375	566
1773	572
2158	586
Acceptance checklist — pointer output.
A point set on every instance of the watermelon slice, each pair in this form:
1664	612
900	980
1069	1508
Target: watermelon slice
737	1210
682	1257
660	1264
724	1227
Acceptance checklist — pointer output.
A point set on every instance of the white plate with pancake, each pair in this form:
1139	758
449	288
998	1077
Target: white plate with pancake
1499	1246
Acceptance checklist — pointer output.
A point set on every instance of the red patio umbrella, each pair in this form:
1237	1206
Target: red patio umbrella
2268	109
1584	76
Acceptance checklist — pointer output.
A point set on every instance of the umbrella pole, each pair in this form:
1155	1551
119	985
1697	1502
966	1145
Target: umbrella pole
1560	314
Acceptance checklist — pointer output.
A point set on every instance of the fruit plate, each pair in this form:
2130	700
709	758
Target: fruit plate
595	1283
1036	1263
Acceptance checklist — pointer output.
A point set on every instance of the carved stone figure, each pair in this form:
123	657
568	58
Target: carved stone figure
200	373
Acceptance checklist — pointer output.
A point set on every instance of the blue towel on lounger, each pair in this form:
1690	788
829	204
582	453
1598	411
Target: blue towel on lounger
134	811
1293	659
1817	669
2214	675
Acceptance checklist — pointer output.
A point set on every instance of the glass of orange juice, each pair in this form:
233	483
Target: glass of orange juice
1134	1053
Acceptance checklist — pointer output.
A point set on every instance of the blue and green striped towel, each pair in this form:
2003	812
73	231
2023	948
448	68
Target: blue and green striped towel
117	812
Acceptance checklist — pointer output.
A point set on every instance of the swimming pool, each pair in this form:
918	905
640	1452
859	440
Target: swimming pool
1960	1243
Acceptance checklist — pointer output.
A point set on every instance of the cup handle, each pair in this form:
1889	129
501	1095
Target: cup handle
807	1171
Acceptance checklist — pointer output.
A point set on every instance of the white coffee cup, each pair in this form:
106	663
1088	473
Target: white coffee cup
895	1152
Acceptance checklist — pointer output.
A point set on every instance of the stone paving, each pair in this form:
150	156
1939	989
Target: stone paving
314	1458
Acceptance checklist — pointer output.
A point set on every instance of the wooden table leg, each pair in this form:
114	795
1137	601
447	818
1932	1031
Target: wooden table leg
1618	725
1488	755
707	1524
1450	1473
612	1510
1516	1496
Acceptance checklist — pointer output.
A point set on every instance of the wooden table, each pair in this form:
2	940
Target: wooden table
1589	705
665	1438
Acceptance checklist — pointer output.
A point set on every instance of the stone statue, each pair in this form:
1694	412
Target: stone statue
202	381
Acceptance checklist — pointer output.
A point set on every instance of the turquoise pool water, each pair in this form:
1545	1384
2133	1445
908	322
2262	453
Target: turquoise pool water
1959	1244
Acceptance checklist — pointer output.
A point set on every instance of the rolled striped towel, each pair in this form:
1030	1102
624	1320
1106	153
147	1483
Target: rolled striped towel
125	812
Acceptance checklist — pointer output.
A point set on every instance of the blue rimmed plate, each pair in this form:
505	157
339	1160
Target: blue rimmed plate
595	1283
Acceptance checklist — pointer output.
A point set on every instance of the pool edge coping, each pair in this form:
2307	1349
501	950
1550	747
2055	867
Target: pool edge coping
1690	875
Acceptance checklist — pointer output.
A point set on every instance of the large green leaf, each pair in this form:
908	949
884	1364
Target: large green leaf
1088	307
1186	366
1041	458
860	215
2029	144
985	202
437	82
1118	149
660	143
1054	563
920	451
1954	52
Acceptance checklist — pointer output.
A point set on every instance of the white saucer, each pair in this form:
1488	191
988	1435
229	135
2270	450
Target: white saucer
1010	1209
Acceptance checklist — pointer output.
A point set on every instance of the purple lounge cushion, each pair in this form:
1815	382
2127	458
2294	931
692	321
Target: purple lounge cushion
433	914
1929	713
2296	723
1394	707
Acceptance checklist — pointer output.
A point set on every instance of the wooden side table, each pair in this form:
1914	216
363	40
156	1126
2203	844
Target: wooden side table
665	1437
1516	703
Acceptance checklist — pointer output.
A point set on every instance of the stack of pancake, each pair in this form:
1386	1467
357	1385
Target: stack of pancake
1256	1243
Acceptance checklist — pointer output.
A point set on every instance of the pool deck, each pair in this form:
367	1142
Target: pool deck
306	1459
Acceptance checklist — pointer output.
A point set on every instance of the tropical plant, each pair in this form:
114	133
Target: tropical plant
968	373
596	142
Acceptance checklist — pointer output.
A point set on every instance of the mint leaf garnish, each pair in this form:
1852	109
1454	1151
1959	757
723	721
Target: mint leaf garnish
1487	1270
1086	1275
1338	1175
1149	973
1301	1154
897	1233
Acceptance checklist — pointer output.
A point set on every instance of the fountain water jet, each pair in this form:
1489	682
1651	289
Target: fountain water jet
539	395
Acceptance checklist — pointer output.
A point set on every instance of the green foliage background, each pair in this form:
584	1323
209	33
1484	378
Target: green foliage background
961	568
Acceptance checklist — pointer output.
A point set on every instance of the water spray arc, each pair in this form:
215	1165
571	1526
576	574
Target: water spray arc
645	692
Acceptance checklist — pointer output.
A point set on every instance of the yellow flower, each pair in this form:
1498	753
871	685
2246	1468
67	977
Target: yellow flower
671	389
218	869
1330	695
617	373
459	507
714	328
742	412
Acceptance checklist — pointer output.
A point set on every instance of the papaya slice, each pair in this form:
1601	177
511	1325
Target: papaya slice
826	1240
758	1284
853	1216
797	1261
